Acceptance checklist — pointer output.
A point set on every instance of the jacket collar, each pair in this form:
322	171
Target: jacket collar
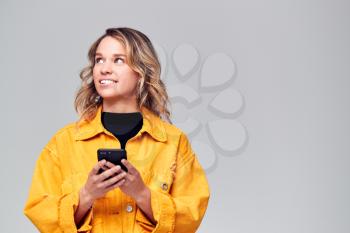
152	124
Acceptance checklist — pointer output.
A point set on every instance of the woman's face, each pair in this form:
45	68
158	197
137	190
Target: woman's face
113	77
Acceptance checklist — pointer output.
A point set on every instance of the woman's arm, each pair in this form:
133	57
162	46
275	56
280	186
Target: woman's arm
96	186
135	188
50	207
144	203
180	207
84	206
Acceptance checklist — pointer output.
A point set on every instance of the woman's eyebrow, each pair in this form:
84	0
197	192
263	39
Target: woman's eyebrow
114	55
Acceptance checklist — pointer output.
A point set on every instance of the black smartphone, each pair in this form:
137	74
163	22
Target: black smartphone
114	156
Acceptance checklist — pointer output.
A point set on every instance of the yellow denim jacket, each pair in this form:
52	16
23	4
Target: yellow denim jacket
161	153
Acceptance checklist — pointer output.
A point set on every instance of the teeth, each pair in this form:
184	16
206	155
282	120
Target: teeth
106	81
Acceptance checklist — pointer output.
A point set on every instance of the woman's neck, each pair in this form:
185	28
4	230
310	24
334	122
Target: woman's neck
120	106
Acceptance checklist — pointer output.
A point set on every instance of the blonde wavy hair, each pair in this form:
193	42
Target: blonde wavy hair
143	59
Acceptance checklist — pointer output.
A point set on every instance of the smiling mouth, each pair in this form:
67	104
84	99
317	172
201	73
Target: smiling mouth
107	81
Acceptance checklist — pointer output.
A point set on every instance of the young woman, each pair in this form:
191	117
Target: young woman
122	103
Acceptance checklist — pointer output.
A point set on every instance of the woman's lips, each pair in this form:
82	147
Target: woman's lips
107	82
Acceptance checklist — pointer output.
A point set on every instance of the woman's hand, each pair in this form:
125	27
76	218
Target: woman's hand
97	185
133	185
136	188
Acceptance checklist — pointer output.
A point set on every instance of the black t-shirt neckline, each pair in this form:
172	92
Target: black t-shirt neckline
122	125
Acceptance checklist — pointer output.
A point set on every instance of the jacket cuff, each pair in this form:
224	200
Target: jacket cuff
66	209
143	221
164	211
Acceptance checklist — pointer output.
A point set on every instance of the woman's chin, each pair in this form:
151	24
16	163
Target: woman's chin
109	94
110	97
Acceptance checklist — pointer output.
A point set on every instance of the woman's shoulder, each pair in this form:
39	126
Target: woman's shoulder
174	132
67	131
172	128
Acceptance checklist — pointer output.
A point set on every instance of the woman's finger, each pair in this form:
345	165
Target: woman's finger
129	166
116	185
97	167
113	180
110	172
109	164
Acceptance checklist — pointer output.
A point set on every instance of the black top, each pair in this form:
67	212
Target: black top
122	125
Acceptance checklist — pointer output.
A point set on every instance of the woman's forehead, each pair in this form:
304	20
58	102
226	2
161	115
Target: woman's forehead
110	46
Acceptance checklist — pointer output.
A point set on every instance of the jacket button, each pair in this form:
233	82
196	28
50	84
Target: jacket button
129	208
165	186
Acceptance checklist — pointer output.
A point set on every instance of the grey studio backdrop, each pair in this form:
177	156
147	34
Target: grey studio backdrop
261	87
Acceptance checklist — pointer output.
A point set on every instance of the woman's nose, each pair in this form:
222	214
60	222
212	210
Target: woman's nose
106	68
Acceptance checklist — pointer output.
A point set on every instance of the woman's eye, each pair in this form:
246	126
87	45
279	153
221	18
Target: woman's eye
98	60
119	60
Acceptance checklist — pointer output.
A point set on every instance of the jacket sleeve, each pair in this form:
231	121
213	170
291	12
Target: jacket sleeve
183	208
49	209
